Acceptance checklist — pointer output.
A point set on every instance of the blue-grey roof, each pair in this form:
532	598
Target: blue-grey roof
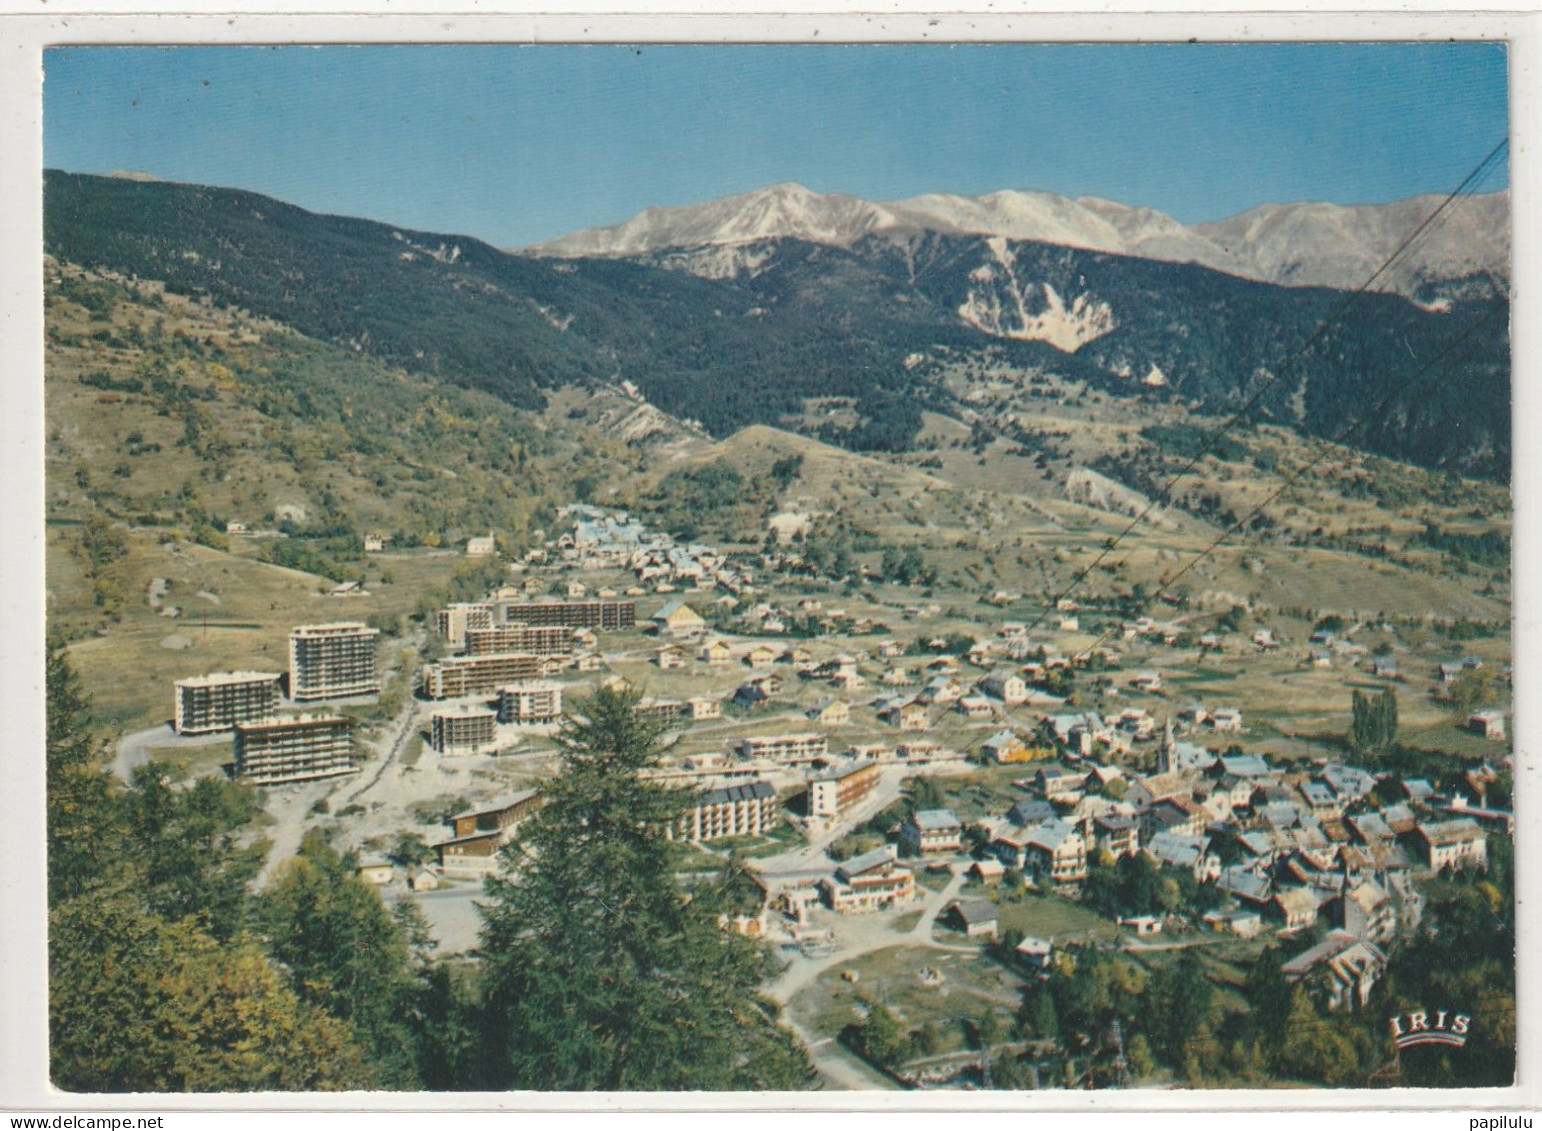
927	819
1349	781
1244	883
1371	827
866	862
1177	849
1258	843
1051	835
1316	793
749	791
1245	765
1028	812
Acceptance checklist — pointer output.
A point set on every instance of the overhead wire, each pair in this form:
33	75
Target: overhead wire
1382	407
1429	225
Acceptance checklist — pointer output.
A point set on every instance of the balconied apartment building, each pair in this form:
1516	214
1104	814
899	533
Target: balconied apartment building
467	731
836	790
503	639
208	704
333	661
665	712
601	614
532	701
735	810
785	747
455	676
454	621
302	748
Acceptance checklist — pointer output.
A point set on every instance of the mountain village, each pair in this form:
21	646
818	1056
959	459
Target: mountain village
889	770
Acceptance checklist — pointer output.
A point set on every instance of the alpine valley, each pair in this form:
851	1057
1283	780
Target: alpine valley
850	321
785	642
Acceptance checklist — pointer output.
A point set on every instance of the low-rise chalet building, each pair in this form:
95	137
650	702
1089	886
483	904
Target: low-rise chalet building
1345	965
931	831
870	882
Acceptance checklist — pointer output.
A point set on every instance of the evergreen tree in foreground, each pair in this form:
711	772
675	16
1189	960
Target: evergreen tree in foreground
601	972
152	984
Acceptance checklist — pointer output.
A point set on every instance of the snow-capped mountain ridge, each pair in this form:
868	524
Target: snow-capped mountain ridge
1294	244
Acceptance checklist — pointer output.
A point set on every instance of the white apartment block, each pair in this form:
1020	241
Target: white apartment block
530	701
785	747
735	810
333	661
453	621
279	751
836	790
207	704
455	676
504	639
467	731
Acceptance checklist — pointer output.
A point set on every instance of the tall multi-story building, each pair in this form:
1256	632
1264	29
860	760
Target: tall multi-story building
453	621
454	676
601	614
735	810
207	704
281	750
502	639
836	790
467	731
531	701
333	661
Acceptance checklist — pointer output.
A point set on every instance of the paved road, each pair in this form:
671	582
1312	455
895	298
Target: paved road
134	749
451	913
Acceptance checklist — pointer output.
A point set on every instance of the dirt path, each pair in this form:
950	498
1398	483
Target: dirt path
290	810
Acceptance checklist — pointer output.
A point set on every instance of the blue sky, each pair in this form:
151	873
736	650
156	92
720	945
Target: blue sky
520	144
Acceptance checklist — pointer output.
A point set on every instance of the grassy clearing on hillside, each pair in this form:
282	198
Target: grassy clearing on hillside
197	761
969	985
130	669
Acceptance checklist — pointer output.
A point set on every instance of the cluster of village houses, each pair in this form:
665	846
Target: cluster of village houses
1330	842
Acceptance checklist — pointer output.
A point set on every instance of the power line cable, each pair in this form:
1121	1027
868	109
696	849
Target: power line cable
1380	409
1429	224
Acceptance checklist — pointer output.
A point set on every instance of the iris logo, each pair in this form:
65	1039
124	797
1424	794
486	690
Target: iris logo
1445	1028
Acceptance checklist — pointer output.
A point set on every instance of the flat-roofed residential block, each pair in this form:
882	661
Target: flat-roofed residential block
455	676
530	701
333	661
467	731
785	747
453	621
208	704
504	639
302	748
604	615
